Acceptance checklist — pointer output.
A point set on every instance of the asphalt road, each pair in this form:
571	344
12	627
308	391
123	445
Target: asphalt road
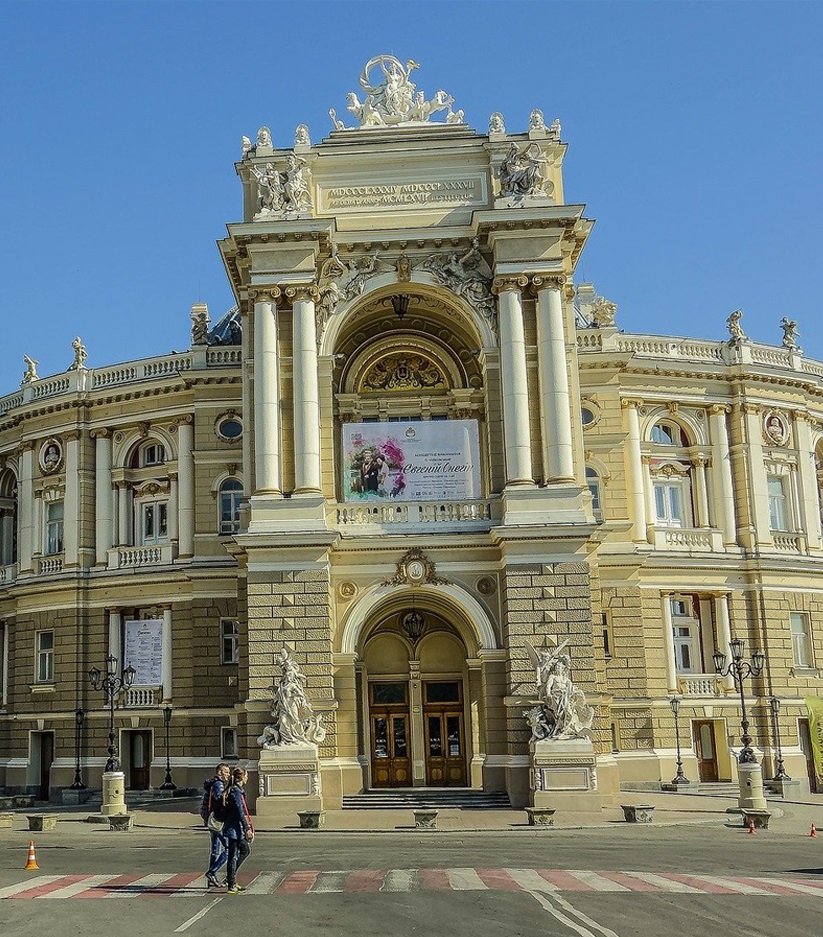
695	881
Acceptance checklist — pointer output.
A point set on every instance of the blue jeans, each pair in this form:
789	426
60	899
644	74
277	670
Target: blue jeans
239	851
219	852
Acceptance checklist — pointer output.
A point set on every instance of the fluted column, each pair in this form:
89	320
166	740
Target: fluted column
123	509
724	633
634	470
71	504
167	658
185	486
103	496
810	500
25	505
668	644
266	394
306	390
556	429
174	509
514	381
722	472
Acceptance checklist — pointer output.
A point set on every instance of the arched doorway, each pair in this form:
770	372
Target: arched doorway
416	713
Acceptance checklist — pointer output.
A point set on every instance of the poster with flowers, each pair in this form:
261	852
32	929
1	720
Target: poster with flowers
415	461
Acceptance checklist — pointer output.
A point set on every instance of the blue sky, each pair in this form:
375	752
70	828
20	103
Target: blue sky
694	134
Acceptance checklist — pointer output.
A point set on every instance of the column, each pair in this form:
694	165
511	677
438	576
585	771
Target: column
306	391
634	471
115	632
25	506
71	503
103	496
810	495
722	470
701	491
123	508
514	381
758	495
668	645
6	536
724	634
266	394
174	508
167	652
185	486
556	430
5	627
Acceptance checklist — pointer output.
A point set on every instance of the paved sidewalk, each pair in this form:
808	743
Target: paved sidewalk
174	815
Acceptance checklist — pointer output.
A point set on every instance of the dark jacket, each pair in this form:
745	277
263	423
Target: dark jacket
237	817
212	797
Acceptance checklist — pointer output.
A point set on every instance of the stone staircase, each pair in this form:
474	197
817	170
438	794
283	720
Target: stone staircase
414	798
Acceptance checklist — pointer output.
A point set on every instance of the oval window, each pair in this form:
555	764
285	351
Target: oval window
230	429
586	416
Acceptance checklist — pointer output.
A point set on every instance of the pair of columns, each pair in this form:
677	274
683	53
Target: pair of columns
305	395
555	403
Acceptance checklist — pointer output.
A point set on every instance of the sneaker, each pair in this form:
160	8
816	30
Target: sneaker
211	882
235	890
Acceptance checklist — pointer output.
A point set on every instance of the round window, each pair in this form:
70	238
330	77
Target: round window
230	429
587	416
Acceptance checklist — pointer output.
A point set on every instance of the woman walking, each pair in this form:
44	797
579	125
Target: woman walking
238	829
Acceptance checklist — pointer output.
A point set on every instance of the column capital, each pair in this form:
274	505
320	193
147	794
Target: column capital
752	408
547	281
268	295
631	403
100	433
184	420
73	435
517	283
302	291
27	445
718	408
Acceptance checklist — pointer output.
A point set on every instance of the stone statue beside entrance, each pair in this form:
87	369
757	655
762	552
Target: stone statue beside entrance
294	720
561	711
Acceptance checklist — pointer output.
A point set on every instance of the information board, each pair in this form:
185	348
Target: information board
144	651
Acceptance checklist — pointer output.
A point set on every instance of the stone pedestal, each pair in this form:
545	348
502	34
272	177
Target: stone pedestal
752	796
114	794
72	797
289	778
563	775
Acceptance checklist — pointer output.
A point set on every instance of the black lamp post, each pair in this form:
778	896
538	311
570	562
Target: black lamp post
739	670
111	685
77	784
780	774
168	784
680	777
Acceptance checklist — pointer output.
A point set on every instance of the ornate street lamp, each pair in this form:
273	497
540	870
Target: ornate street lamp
168	784
680	777
780	774
79	717
739	669
111	685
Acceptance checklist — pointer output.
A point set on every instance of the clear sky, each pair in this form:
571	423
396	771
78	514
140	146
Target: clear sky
694	134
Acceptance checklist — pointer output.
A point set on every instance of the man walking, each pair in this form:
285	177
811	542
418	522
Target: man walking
213	803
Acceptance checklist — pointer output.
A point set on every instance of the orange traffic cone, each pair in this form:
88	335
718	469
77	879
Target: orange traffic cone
751	829
31	862
813	831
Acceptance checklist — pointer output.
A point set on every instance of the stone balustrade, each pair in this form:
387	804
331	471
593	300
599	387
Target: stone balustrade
699	684
459	514
161	554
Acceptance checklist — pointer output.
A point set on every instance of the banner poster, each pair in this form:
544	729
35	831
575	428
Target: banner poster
144	651
423	460
814	705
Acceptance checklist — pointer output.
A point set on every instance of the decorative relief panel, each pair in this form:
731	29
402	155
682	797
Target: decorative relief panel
403	372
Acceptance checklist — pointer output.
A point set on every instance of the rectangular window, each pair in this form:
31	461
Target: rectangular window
686	635
154	522
228	742
230	510
801	639
54	528
669	504
230	652
154	454
777	503
44	664
608	639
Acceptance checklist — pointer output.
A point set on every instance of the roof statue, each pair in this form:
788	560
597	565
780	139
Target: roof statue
30	374
294	720
561	711
790	332
392	97
284	192
496	123
735	328
80	355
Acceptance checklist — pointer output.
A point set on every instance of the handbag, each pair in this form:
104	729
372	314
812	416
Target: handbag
215	825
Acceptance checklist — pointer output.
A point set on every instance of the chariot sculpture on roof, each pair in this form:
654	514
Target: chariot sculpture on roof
392	97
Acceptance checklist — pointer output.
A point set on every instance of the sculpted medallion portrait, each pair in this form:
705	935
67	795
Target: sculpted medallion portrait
776	428
51	455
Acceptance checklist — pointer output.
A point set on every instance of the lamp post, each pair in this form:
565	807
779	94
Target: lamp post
680	777
168	784
111	685
739	669
79	717
780	774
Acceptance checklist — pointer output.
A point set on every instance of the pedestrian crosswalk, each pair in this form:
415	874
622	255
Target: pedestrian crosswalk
305	882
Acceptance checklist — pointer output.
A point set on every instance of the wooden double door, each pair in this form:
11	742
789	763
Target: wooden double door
443	735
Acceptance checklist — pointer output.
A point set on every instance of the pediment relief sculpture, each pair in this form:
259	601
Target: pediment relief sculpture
523	174
283	192
403	372
415	569
468	275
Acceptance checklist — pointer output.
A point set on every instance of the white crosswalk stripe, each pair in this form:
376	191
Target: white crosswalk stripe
11	890
134	889
69	891
529	880
465	880
399	880
330	882
597	882
794	886
265	883
664	884
731	884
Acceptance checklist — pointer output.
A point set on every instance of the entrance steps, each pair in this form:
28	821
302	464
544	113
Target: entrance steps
719	788
444	798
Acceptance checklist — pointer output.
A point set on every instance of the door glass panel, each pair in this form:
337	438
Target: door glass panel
388	693
399	729
381	738
137	751
442	693
706	742
453	735
435	739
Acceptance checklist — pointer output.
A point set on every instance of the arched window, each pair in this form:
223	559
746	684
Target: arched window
228	498
148	453
665	433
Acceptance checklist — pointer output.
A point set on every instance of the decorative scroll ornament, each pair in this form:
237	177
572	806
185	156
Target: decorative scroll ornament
294	720
561	711
403	372
415	569
468	276
283	193
735	328
392	98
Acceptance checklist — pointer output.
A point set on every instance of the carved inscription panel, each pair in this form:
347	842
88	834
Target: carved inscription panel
354	197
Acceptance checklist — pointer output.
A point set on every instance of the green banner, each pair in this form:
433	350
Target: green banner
815	707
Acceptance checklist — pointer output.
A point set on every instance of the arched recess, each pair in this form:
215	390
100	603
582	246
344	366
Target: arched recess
467	615
132	439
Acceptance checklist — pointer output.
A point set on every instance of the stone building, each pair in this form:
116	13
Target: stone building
414	447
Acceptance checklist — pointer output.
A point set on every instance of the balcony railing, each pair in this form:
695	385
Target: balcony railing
699	684
142	697
8	574
161	554
47	565
789	542
460	515
688	539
